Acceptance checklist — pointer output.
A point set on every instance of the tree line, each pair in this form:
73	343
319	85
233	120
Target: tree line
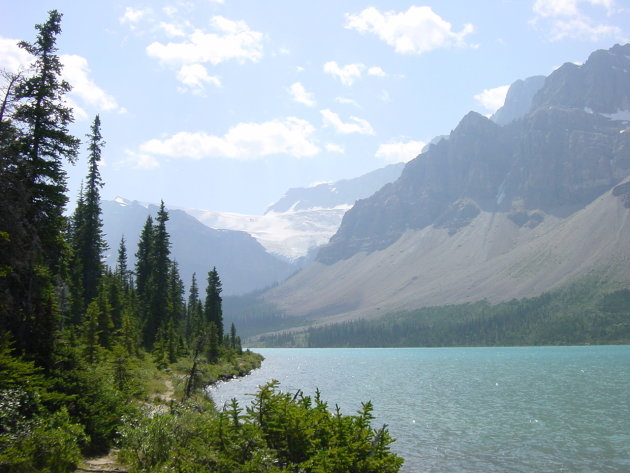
71	328
80	342
585	312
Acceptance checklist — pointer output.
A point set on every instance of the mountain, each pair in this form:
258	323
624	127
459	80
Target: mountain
518	100
304	218
243	264
340	193
493	212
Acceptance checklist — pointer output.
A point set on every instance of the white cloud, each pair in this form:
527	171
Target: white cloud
132	16
346	74
172	30
416	31
565	19
376	71
291	136
234	40
356	125
300	95
582	28
492	99
347	101
77	72
195	77
78	112
139	160
169	10
551	8
333	148
12	57
399	152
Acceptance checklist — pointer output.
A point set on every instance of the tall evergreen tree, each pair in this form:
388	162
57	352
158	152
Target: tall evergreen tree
88	239
144	271
194	312
213	311
177	308
122	270
144	259
43	118
159	280
34	145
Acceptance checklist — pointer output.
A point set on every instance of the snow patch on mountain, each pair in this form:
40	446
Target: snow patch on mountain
289	234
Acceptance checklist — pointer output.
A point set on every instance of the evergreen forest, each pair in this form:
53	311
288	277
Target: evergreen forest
587	312
93	357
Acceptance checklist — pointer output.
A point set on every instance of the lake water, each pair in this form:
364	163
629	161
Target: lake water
458	410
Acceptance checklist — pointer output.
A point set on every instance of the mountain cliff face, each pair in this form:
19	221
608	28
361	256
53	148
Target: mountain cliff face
556	159
602	84
518	100
493	211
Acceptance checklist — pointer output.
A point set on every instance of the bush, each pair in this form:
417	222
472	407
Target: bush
52	445
279	432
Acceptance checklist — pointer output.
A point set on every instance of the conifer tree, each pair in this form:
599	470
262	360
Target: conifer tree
177	309
159	280
122	270
88	239
144	271
213	312
144	259
39	142
43	118
194	312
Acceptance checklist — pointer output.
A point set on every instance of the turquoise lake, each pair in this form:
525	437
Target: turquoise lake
459	410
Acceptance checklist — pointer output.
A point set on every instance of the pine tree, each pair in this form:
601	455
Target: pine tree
159	280
194	313
213	312
34	145
177	308
43	118
88	239
144	259
122	271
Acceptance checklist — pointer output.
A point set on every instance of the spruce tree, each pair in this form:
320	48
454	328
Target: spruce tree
144	270
194	313
213	312
43	118
144	258
122	270
34	146
158	297
88	241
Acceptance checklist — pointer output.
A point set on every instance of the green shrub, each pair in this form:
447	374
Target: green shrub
52	445
279	432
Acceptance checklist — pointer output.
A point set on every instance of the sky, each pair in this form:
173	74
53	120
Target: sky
226	104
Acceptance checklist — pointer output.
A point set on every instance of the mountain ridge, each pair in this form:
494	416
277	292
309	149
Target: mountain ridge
242	262
492	212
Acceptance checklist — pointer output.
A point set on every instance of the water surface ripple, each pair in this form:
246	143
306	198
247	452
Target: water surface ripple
460	410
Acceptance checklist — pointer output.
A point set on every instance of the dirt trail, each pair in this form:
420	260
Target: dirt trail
105	464
109	463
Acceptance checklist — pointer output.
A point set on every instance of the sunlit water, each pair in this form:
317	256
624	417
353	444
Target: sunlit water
458	410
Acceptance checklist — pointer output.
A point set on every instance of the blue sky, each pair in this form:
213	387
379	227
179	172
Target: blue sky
225	104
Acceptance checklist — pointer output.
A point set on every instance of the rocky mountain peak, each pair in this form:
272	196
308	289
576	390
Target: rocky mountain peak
556	159
518	100
601	84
